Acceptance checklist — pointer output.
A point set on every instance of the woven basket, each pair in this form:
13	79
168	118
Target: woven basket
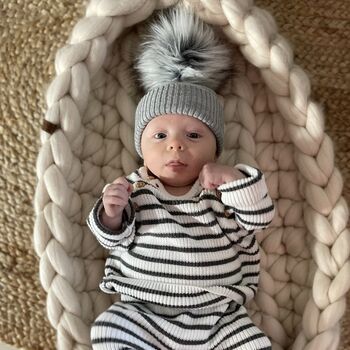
271	123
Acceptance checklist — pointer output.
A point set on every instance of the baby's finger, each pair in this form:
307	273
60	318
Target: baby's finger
122	181
213	185
130	188
201	178
205	184
207	181
115	187
122	194
117	190
114	200
209	185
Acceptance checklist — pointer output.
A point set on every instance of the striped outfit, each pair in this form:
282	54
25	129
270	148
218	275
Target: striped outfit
184	266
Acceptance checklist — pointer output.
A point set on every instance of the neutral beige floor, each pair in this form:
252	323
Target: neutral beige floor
5	347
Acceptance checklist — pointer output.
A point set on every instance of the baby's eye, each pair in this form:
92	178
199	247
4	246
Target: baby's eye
160	135
194	135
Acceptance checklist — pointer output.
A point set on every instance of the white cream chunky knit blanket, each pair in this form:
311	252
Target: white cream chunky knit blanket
271	123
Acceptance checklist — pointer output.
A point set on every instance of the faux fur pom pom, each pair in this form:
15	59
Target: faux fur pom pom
180	47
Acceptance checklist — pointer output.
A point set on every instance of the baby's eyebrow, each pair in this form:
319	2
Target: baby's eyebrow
154	128
195	129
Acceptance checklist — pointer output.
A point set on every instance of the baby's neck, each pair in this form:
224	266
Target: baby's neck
173	190
177	191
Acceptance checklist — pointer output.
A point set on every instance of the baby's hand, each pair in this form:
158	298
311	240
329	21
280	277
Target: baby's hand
115	199
213	175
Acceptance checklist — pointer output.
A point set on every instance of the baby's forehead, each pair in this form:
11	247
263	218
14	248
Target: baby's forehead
176	120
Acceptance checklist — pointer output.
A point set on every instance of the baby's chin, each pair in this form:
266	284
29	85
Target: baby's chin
177	189
177	180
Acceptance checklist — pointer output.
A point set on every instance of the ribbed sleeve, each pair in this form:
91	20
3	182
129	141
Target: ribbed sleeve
249	199
111	239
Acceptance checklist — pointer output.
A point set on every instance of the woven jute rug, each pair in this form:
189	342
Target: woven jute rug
31	33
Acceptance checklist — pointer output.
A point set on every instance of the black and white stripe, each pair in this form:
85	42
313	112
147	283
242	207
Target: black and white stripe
195	251
150	327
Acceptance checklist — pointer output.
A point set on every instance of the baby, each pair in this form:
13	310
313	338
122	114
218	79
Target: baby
181	232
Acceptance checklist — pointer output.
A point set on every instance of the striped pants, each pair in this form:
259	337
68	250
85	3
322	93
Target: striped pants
126	326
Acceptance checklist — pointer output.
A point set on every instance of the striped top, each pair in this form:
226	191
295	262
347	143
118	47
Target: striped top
192	251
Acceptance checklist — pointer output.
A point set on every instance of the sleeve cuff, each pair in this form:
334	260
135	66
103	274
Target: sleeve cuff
110	238
244	192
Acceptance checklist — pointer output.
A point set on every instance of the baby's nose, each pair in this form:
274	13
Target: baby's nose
175	145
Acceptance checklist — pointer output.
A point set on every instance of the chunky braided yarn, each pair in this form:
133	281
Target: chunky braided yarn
270	122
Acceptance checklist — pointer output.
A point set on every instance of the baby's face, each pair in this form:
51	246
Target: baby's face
175	148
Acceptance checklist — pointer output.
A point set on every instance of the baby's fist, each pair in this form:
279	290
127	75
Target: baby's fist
115	197
213	175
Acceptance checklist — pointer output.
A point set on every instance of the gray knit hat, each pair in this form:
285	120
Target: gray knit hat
185	99
181	64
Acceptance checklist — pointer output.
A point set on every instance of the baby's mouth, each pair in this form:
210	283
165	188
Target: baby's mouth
175	163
